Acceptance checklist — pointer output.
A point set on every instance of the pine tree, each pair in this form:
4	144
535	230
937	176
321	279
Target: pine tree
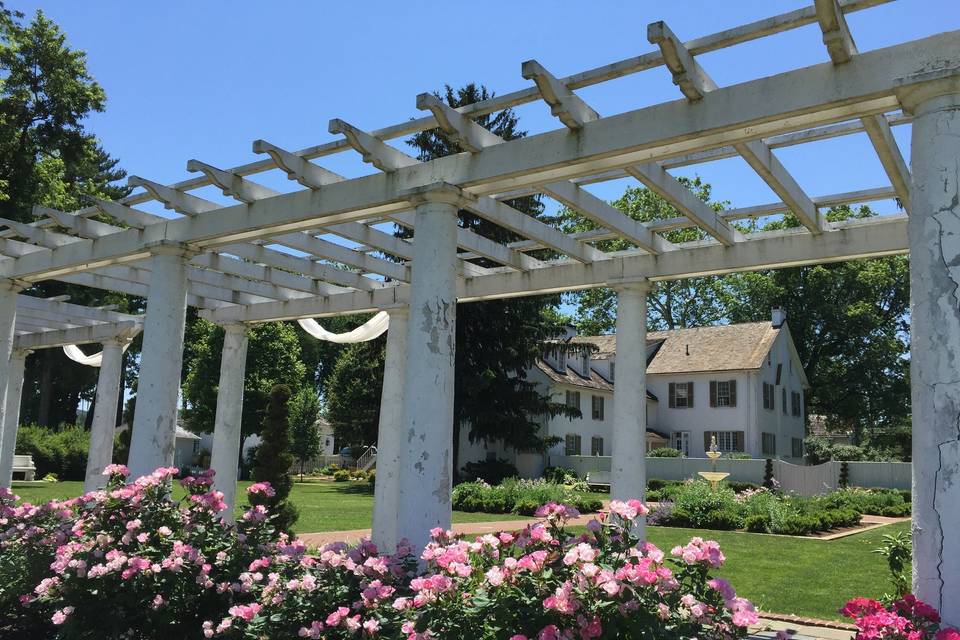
274	459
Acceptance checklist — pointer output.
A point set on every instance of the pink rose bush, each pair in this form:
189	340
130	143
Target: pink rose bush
906	618
130	562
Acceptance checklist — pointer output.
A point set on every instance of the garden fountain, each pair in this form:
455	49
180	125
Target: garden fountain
714	476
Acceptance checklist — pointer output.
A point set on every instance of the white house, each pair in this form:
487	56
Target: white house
742	383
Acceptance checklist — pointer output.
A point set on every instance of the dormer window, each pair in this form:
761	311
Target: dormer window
585	365
613	368
561	361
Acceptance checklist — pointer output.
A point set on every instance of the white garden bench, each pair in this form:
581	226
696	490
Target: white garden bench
24	464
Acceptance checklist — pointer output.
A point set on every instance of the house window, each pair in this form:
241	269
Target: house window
769	395
680	440
562	361
596	446
681	395
723	393
727	441
585	365
613	367
768	444
572	445
573	399
796	447
597	407
783	400
795	408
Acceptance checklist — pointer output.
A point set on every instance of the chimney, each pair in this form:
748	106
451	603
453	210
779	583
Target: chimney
778	315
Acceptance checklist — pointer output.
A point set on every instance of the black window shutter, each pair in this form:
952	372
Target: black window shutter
733	393
706	439
673	395
713	393
738	440
690	395
779	371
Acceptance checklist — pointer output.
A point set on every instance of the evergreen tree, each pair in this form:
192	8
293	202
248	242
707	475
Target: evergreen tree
274	459
353	393
304	437
48	157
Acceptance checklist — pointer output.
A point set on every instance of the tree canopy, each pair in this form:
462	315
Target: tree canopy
273	357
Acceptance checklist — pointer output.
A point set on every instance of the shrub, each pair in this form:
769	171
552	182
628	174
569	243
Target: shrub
664	452
62	452
697	505
491	471
655	484
170	569
372	477
844	480
903	617
523	497
739	455
758	523
768	479
740	487
560	475
274	459
341	476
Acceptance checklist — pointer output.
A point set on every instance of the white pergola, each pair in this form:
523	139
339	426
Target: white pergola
49	323
316	250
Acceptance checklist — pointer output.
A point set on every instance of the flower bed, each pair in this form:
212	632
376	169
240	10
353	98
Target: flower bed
522	497
696	505
129	562
905	618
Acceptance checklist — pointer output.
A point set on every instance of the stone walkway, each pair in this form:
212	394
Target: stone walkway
801	629
480	528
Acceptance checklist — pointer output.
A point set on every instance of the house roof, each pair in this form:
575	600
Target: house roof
731	347
573	378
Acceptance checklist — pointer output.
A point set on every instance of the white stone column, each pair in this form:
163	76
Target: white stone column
225	457
104	414
425	479
11	416
934	231
8	317
628	469
386	497
155	420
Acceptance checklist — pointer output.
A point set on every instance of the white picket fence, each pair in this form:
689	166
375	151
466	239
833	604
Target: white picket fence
801	479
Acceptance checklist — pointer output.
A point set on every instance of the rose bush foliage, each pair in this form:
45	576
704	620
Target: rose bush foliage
130	562
905	618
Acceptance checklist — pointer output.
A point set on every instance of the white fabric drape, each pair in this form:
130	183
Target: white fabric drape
93	360
371	329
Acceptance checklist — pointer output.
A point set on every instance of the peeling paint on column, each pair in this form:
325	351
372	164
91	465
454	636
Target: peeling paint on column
934	230
423	500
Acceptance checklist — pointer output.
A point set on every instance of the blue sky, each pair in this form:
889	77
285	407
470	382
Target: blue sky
204	79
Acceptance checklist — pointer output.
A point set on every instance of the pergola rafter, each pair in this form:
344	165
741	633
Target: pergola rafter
275	255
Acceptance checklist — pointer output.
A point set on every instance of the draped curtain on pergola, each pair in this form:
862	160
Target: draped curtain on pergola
320	249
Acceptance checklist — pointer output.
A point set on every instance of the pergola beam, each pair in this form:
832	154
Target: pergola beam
695	83
78	335
849	240
743	112
842	48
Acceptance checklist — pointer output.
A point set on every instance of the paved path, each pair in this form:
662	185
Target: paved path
480	528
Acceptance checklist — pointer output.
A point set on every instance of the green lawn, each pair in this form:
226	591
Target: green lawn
324	506
787	575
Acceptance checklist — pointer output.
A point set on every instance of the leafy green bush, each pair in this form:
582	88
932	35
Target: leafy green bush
491	471
372	477
740	487
655	484
341	476
758	523
523	497
560	475
881	502
697	505
739	455
664	452
60	451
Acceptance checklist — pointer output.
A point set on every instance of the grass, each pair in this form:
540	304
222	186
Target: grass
794	575
788	575
324	506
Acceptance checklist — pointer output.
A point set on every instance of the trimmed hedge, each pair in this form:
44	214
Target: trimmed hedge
62	452
522	497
